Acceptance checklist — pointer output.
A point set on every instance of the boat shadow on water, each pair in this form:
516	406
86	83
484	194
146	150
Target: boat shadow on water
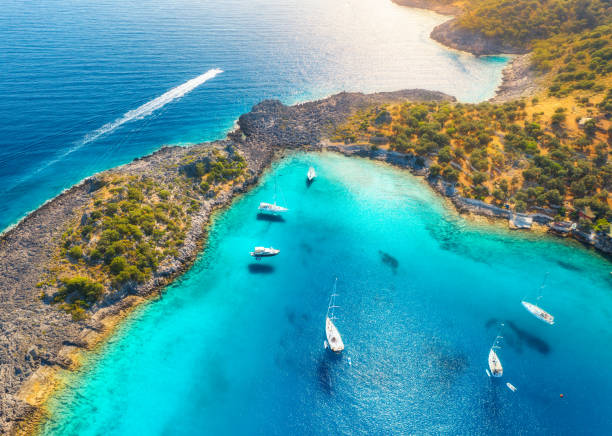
270	218
260	268
389	260
325	370
516	337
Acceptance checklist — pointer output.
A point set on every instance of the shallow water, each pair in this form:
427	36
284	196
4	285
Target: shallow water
236	346
68	69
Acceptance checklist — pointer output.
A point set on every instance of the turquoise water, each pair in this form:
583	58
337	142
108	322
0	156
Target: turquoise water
68	68
236	346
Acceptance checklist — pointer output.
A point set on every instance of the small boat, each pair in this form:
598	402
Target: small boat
334	340
260	252
311	174
511	387
272	208
539	312
494	364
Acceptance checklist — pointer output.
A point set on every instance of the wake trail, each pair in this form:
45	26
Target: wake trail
135	114
153	105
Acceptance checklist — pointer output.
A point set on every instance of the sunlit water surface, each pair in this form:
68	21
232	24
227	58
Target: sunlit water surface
69	68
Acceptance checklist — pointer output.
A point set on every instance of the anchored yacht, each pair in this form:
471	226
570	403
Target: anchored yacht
311	174
539	312
272	208
260	252
334	340
494	364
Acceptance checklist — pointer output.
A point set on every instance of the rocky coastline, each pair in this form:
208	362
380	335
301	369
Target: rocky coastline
39	340
441	8
519	80
470	207
453	36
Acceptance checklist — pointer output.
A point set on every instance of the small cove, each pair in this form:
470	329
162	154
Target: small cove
238	348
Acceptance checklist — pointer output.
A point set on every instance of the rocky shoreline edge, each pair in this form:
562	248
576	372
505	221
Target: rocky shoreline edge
519	80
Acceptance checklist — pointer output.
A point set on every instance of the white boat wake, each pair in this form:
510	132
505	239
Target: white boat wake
135	114
153	105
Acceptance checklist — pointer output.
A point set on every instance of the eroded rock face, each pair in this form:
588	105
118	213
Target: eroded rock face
451	35
305	124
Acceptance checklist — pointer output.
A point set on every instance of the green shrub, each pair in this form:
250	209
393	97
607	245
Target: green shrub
80	288
76	252
118	264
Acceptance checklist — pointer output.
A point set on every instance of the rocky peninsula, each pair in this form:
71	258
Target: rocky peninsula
38	337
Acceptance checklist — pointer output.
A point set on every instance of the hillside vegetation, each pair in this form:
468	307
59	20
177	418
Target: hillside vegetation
505	154
133	225
519	22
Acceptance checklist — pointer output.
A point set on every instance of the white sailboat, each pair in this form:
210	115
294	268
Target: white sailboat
334	340
311	174
272	208
538	312
495	365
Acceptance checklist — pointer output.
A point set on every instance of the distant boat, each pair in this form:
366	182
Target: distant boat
272	208
260	252
311	174
334	340
495	365
539	312
511	387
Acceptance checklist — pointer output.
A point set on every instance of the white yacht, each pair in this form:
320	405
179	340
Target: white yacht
539	312
311	174
260	252
334	340
272	208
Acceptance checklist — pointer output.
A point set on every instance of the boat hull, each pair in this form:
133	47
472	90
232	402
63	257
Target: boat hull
271	208
334	340
495	365
264	252
539	313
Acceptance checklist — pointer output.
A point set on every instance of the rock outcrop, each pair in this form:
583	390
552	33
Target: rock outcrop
452	35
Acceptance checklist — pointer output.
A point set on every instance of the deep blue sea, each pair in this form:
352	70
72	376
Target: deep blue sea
70	69
236	346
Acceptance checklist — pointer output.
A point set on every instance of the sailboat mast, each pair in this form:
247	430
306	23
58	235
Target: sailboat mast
542	285
332	302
